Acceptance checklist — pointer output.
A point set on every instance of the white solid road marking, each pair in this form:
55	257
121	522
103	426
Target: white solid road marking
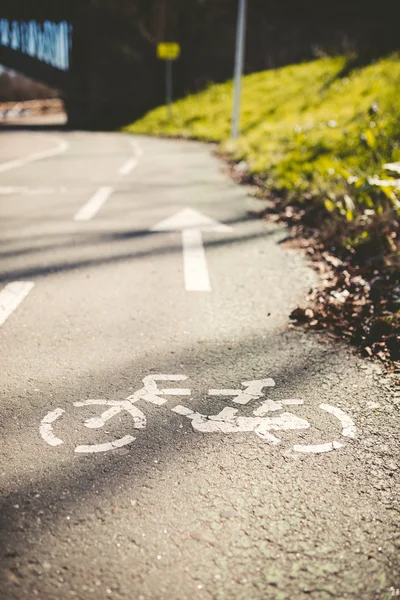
14	190
191	223
11	297
132	163
31	191
20	162
89	210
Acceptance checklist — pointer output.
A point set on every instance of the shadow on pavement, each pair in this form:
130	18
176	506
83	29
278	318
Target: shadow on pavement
94	240
42	488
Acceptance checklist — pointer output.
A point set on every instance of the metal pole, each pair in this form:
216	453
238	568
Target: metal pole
169	87
239	62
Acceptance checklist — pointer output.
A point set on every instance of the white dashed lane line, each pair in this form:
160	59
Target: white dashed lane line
89	210
131	163
128	166
11	297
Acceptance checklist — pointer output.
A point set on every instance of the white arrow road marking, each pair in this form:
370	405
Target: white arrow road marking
194	262
191	223
11	297
20	162
91	207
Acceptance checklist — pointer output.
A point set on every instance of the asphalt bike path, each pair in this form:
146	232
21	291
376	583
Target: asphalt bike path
164	435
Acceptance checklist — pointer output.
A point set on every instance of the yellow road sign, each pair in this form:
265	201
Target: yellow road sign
168	51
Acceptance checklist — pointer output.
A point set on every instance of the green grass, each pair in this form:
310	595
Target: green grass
316	132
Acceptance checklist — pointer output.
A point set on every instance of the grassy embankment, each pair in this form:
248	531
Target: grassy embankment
323	138
316	132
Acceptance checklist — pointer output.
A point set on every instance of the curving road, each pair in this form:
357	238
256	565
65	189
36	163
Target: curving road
223	456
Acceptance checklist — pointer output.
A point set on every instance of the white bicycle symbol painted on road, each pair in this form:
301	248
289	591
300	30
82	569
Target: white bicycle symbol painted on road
227	421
